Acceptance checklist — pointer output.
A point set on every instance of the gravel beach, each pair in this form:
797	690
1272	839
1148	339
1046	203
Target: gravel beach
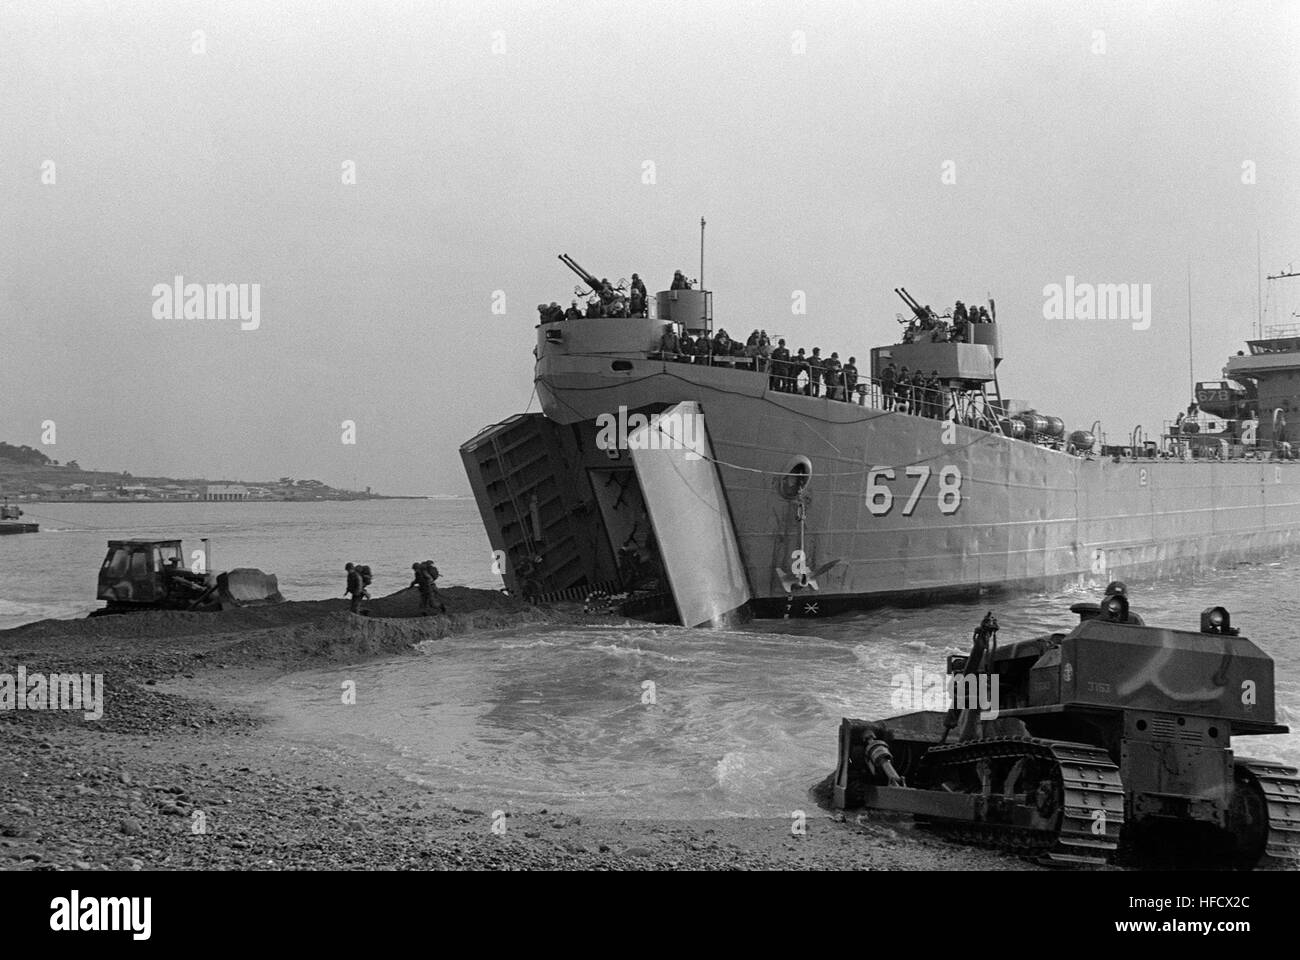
178	780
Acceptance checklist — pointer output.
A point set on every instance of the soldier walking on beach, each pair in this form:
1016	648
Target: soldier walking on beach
425	575
355	587
421	581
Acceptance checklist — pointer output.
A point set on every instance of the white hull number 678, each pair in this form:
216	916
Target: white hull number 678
880	497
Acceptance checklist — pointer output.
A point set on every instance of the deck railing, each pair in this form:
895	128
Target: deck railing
869	392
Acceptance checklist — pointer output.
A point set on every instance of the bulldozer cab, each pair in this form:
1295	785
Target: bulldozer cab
135	570
170	555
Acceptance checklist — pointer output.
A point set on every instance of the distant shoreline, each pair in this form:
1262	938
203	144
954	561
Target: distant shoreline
103	501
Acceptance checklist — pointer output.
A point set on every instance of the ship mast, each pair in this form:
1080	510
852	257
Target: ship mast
1259	289
701	253
1282	275
1191	366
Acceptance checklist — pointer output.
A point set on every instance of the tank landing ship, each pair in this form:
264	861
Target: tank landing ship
734	484
1105	740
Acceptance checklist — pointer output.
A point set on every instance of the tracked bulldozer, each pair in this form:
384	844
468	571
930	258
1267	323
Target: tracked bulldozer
1101	744
151	575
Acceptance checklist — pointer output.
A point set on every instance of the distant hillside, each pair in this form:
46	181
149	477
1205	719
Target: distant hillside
27	456
28	474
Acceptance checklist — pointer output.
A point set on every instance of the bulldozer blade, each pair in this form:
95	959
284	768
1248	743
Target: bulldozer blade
245	586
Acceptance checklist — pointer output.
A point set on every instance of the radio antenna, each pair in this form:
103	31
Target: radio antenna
701	253
1191	367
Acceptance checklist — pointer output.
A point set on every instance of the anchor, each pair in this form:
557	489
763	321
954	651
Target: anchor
799	578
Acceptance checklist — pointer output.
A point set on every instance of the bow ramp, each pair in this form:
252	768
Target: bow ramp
688	511
634	507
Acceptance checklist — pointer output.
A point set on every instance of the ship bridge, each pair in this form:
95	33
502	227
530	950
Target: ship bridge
1273	365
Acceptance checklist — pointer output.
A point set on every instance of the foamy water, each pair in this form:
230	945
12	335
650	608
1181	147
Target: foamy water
743	722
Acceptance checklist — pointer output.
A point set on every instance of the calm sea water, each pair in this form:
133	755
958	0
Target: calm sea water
743	720
53	573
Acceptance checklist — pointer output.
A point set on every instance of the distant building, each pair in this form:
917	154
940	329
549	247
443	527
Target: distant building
225	491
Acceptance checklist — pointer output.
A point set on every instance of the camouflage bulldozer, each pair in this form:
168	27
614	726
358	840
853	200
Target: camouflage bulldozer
1109	738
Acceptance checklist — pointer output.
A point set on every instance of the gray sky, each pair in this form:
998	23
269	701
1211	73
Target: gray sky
818	171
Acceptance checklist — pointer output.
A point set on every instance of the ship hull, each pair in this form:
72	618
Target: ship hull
904	509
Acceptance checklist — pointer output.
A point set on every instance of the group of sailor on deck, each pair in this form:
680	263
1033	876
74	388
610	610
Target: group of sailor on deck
811	376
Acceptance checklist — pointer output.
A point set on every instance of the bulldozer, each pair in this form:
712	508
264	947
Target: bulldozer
151	575
1109	743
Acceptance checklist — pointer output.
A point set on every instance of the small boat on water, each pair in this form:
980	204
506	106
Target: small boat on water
11	521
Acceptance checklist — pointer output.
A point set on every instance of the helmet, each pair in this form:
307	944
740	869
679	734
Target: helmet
415	566
1116	588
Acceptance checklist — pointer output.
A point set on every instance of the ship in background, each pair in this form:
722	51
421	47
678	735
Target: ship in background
777	504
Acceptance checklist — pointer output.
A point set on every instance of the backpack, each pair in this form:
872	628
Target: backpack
366	576
432	571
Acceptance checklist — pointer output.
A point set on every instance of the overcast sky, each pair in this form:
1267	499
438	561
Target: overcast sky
1109	142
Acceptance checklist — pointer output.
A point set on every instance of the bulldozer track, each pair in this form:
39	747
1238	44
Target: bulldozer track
1090	805
1280	787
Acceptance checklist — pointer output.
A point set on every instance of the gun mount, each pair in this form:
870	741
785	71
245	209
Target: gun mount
588	278
922	313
